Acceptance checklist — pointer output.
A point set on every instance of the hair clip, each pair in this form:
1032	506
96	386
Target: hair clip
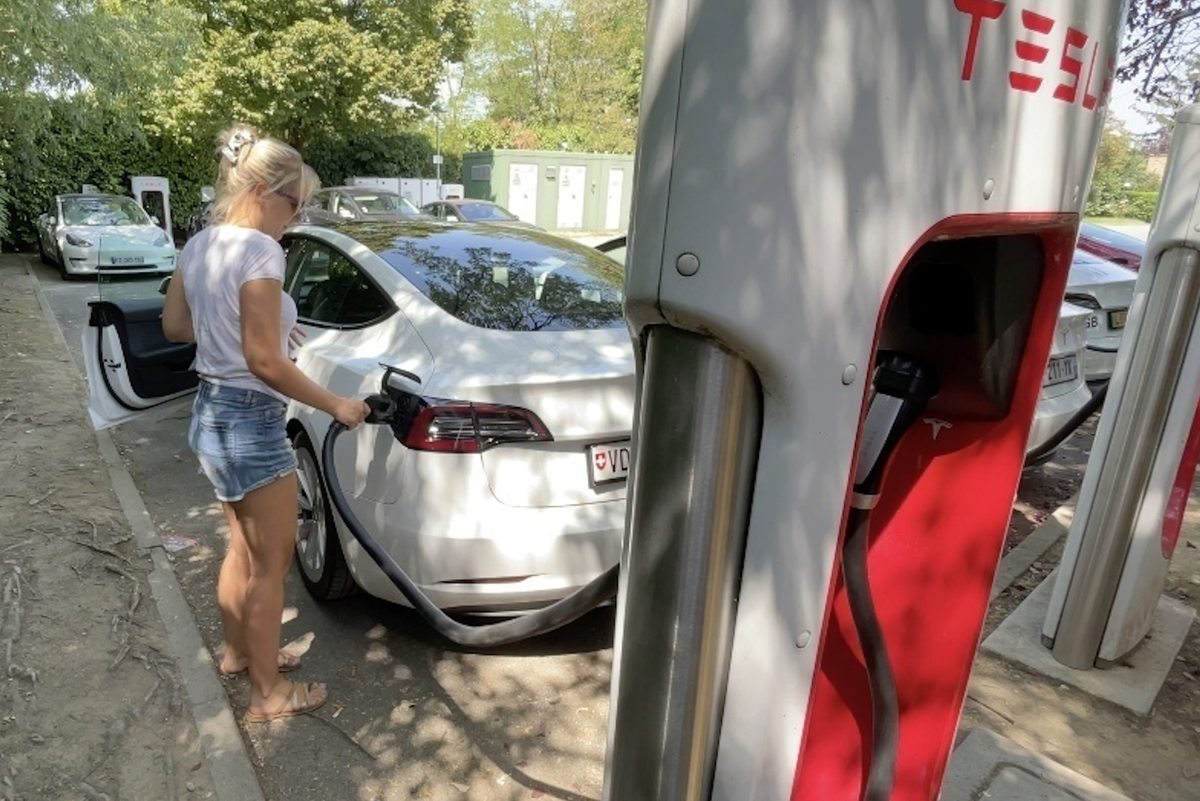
233	150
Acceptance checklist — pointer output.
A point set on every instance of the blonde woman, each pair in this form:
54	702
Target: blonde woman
227	296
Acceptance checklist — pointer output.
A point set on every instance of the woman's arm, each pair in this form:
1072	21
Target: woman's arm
261	312
176	315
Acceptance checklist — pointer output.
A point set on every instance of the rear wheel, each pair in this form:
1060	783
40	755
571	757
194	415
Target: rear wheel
42	251
323	566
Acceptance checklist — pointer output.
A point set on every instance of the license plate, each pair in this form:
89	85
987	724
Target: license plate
1061	370
608	462
1116	319
121	261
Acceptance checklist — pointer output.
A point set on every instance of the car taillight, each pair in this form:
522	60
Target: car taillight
464	427
1086	301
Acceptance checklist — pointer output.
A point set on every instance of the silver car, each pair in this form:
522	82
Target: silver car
86	233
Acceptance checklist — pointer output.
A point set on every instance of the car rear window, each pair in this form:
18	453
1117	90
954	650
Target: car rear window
511	280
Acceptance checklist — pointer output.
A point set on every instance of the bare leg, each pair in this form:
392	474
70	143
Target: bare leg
231	593
268	526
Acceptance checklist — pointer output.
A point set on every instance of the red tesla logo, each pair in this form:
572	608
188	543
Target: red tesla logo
1032	51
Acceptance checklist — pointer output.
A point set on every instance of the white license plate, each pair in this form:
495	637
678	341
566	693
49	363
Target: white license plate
1061	371
119	261
608	462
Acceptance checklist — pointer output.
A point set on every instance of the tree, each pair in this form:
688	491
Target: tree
76	56
552	72
309	69
1120	180
1162	39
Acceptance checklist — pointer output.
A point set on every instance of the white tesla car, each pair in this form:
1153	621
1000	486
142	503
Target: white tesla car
86	233
506	489
1106	290
1064	390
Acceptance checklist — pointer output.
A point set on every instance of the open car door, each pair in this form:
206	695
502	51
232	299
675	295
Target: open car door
130	365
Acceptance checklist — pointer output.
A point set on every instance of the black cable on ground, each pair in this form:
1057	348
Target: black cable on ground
885	704
558	614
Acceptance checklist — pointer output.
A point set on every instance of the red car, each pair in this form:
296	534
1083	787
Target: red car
1111	245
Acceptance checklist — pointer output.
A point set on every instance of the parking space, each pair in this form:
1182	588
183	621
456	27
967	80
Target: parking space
409	715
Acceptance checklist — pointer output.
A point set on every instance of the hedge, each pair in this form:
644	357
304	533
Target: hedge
86	145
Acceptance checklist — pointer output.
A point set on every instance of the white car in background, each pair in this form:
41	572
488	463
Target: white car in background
1064	390
84	233
504	487
1105	289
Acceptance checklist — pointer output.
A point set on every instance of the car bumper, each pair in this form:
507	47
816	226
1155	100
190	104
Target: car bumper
1098	364
1053	413
518	559
81	261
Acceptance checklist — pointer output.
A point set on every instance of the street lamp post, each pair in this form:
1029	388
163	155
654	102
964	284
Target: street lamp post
437	138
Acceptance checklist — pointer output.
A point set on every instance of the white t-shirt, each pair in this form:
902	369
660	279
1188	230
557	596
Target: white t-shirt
215	263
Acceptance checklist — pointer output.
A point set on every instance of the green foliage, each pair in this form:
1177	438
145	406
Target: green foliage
86	143
1120	174
338	160
309	70
549	73
1142	205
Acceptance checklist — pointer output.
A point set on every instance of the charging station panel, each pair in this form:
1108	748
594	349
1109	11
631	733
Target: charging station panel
817	182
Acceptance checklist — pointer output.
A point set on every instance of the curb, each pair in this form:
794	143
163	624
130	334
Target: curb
1014	563
229	763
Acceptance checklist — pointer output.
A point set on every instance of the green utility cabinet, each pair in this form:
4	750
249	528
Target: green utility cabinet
556	189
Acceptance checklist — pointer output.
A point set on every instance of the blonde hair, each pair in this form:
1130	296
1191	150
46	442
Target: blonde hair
249	160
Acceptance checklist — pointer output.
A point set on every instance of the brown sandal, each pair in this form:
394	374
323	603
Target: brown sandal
299	702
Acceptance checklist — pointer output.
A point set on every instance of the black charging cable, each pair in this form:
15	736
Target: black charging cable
1085	411
601	589
903	386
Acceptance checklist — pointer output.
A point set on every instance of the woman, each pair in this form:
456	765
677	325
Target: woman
227	296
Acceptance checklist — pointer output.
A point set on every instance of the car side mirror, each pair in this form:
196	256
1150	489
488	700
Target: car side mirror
163	285
451	218
52	220
154	219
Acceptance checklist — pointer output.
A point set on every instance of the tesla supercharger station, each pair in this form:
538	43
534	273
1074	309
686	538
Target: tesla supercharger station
1143	460
157	192
853	222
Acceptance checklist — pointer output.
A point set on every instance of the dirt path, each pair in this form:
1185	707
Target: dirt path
93	707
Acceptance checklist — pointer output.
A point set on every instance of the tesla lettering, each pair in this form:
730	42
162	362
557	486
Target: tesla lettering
1042	35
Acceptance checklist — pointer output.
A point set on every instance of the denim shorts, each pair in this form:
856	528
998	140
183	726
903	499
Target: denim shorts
240	437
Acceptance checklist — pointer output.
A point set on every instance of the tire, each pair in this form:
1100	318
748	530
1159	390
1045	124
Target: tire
42	251
322	564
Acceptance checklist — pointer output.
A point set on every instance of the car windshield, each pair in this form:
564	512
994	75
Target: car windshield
386	203
103	211
482	212
511	280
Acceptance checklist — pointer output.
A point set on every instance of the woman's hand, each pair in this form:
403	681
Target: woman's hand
351	411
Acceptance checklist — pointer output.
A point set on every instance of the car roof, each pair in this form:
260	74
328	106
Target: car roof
379	236
360	190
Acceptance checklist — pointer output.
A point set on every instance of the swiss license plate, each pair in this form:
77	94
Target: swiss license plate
1061	370
122	261
1116	319
608	462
